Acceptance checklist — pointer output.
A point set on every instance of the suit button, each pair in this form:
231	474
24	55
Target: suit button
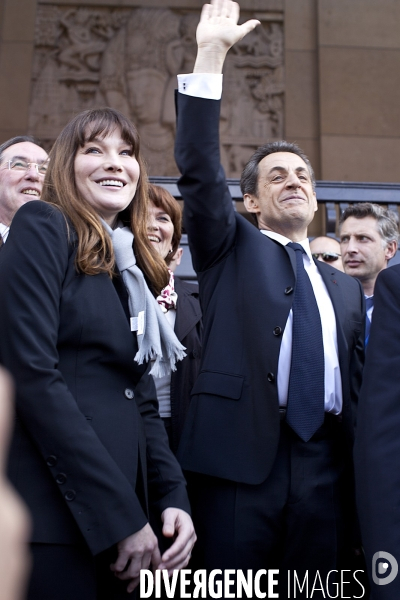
70	495
61	478
51	460
277	330
194	354
129	394
288	290
271	377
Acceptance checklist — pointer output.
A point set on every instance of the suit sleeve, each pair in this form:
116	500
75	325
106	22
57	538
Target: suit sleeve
166	484
209	217
377	446
33	265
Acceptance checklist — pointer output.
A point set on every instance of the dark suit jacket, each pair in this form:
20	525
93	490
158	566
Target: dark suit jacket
79	448
246	283
188	329
377	445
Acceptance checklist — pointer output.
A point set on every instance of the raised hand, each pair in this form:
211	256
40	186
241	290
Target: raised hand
218	30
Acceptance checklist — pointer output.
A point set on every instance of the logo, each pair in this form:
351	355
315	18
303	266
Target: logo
384	568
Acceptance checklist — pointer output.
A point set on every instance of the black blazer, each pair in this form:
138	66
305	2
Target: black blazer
246	283
188	329
79	447
377	445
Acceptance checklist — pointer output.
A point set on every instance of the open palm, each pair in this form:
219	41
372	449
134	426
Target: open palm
218	25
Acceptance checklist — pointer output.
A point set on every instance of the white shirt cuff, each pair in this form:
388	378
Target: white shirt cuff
201	85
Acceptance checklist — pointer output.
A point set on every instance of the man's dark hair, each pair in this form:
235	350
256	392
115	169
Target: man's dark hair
387	220
17	140
249	179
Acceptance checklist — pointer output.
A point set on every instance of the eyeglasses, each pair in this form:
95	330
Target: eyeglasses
326	256
17	164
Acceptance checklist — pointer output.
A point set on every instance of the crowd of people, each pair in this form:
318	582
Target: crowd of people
253	382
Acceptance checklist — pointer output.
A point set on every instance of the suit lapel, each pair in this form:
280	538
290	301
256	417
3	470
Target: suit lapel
334	290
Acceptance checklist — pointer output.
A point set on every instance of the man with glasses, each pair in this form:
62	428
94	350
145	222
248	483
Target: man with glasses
368	240
327	250
23	164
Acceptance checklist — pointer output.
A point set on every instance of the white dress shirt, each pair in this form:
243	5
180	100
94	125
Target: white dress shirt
209	86
163	384
4	229
332	379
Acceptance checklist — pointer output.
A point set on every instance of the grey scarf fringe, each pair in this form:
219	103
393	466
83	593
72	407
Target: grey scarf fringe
156	338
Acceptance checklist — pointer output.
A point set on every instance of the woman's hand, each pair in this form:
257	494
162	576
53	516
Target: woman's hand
178	523
138	551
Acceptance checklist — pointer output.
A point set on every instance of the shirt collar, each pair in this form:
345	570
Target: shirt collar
284	241
4	229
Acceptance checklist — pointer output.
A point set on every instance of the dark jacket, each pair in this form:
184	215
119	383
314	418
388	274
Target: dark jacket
78	455
246	283
188	328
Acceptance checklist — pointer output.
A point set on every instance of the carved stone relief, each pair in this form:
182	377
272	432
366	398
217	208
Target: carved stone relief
129	59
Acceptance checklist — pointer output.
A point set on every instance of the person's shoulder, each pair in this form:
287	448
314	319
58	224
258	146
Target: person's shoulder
38	209
41	214
390	273
191	288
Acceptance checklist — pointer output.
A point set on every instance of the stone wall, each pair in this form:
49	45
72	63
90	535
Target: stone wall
323	73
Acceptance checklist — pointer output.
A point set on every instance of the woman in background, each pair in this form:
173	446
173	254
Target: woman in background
180	303
89	453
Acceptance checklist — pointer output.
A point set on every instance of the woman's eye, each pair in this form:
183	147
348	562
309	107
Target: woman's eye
92	151
127	152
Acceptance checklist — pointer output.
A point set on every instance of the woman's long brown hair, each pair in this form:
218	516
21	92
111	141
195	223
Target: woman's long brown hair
94	248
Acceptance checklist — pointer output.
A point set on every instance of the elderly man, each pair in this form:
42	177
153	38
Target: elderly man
368	240
23	165
268	439
327	249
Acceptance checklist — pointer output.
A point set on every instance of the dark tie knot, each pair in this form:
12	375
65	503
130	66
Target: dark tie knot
297	247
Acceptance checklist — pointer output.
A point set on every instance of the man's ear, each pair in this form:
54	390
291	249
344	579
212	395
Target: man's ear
316	202
390	250
251	203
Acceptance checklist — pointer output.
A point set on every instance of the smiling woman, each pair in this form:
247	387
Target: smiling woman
79	328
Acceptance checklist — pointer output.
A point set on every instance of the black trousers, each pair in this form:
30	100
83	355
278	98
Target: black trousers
68	572
299	520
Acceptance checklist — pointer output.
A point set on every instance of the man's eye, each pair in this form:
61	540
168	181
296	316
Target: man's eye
19	164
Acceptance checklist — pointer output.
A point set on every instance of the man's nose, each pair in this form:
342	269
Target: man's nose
32	173
352	245
293	180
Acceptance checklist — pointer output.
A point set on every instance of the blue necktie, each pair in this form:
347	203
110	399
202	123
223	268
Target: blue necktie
369	302
305	405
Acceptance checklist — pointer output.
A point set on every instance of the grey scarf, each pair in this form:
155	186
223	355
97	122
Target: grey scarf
156	338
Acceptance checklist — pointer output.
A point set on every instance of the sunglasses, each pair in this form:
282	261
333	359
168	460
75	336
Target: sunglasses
327	256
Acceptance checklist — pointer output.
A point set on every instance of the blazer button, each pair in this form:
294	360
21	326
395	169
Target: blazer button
288	290
129	394
70	495
271	377
277	330
51	460
61	478
194	354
